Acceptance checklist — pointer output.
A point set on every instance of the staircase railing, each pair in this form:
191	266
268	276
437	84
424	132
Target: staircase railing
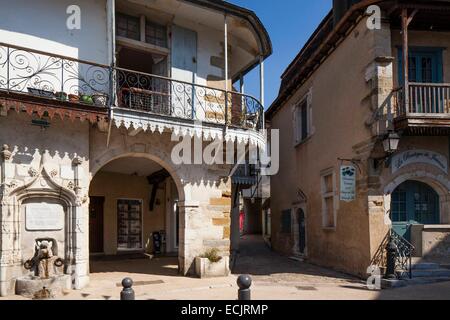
403	257
403	254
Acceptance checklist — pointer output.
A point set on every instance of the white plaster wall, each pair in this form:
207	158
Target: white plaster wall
41	25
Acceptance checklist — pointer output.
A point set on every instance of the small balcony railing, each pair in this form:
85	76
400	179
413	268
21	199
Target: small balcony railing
37	73
425	99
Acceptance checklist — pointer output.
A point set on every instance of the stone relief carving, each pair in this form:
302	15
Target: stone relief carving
44	262
71	185
53	173
33	172
77	161
6	153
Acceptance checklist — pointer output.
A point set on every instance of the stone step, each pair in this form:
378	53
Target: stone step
386	284
425	266
430	273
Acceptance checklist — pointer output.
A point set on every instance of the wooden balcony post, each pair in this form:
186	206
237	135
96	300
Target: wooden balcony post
405	59
406	20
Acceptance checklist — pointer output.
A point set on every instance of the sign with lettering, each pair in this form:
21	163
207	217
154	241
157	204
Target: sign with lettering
44	217
419	156
348	183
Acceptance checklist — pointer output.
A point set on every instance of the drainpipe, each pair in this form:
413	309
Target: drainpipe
226	67
111	25
262	89
405	59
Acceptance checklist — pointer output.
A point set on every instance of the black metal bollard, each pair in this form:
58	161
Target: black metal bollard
244	282
390	260
127	292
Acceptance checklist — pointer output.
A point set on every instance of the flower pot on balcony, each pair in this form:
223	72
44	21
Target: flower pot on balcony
74	98
61	96
100	99
86	99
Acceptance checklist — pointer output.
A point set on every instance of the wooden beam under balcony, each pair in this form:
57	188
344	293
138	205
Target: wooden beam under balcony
423	124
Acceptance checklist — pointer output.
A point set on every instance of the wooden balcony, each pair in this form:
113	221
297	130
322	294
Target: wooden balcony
426	113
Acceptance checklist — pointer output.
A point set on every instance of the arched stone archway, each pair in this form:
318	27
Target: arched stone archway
204	190
439	183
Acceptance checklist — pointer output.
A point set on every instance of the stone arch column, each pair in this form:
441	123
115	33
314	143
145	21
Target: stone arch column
439	183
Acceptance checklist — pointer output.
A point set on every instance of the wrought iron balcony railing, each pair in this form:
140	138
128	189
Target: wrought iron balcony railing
169	97
52	76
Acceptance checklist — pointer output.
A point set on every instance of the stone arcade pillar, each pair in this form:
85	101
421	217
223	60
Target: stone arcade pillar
79	231
205	223
6	225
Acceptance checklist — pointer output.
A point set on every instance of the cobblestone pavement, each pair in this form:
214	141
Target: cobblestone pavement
268	267
274	277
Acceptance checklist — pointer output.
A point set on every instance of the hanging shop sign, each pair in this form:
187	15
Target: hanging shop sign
348	183
419	156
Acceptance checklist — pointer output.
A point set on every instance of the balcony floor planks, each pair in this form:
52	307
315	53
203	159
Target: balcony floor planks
434	124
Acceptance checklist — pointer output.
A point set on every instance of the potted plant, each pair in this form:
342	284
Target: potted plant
61	96
100	99
85	98
211	264
74	98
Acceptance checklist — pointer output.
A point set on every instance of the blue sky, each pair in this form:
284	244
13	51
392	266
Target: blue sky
290	23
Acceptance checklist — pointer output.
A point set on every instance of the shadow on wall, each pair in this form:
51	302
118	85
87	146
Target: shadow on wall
60	142
436	246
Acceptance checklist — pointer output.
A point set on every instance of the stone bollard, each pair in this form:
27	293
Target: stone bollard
127	292
244	282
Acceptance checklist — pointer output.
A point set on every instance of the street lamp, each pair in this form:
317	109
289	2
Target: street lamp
390	145
390	142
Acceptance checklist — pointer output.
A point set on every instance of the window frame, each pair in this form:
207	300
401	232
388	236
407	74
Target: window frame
326	194
418	52
301	108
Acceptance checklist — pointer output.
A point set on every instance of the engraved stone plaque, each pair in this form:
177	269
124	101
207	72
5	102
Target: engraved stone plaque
44	217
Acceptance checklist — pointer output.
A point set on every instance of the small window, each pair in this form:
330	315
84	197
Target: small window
302	120
128	26
286	221
156	34
328	184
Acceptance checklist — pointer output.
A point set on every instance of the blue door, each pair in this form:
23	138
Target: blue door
184	69
425	65
413	202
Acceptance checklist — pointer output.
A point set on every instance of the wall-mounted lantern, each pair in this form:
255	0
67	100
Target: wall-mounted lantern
390	142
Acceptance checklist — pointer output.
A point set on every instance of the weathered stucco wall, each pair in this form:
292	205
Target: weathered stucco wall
341	104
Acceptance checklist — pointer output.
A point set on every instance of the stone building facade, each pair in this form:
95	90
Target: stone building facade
340	102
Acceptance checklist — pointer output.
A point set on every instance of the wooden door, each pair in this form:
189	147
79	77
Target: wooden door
302	232
96	224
